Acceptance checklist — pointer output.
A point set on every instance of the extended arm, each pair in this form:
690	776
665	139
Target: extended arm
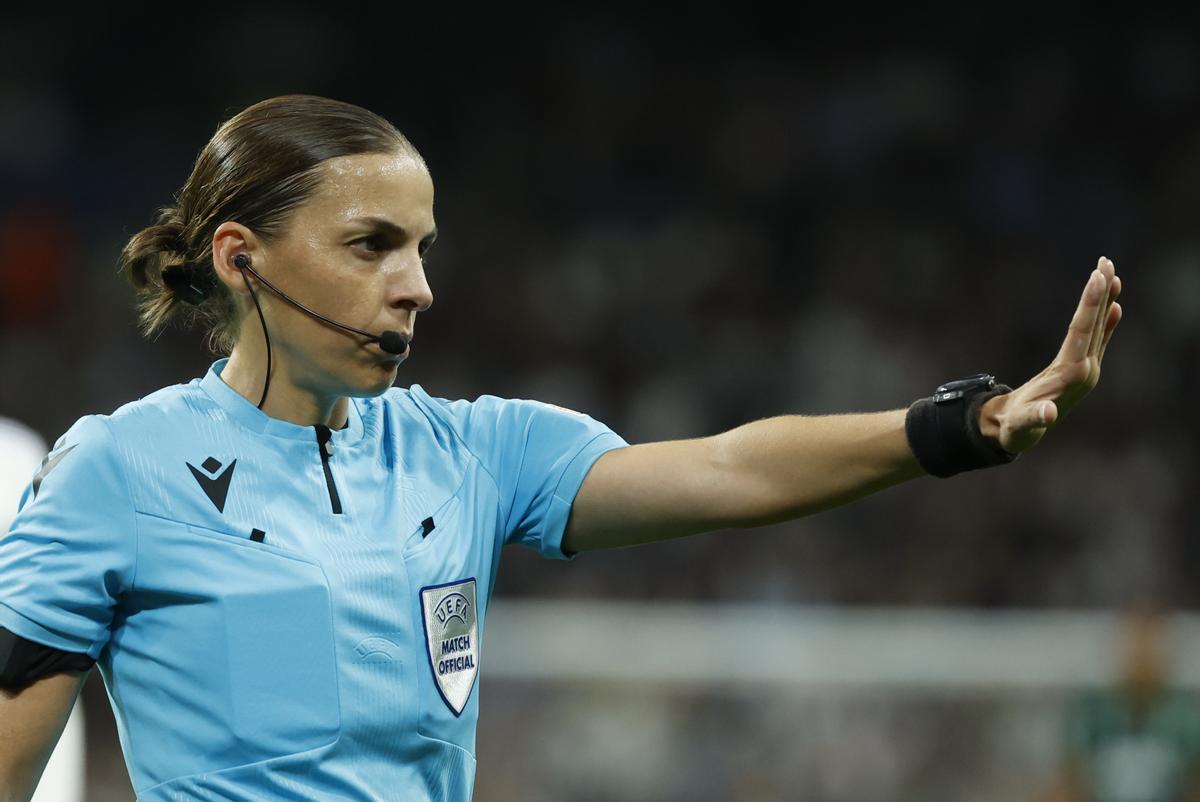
780	468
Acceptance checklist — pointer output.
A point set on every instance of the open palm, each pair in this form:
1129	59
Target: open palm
1019	419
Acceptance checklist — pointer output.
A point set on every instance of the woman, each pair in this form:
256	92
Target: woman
283	568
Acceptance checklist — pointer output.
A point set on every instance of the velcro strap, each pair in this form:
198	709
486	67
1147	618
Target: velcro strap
946	439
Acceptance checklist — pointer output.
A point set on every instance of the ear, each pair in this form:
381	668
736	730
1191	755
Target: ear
229	240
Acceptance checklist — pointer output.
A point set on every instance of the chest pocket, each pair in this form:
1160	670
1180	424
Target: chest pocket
282	669
445	560
246	626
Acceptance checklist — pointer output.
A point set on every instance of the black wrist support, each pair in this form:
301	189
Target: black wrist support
943	430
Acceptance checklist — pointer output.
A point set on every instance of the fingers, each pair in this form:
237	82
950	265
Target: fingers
1109	271
1084	321
1114	317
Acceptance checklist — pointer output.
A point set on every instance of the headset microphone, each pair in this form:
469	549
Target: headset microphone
392	342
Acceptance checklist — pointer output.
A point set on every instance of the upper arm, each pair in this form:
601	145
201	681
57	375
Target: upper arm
649	492
31	722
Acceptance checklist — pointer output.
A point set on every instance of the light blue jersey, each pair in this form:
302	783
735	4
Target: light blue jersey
277	619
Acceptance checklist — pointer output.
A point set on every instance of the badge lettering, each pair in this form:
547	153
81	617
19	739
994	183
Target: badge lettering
452	639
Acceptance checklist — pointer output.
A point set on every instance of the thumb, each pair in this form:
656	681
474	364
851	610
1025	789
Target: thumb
1039	415
1028	424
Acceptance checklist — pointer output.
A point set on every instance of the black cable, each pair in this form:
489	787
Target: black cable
263	320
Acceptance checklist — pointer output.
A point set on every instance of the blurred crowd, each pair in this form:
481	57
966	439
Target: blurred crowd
679	228
677	238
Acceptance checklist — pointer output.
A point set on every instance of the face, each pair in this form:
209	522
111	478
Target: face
353	253
1145	650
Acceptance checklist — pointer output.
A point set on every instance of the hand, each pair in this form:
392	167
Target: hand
1020	418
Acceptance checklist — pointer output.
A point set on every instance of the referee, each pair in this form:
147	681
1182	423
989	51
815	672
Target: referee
283	568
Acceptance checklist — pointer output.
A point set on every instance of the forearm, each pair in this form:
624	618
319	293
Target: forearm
789	466
760	473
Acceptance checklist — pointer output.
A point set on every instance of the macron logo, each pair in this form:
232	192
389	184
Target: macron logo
48	464
216	487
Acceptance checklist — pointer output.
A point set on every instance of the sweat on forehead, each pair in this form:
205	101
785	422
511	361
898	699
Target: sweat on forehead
399	161
391	188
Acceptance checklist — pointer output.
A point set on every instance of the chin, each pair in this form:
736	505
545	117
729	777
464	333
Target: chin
383	376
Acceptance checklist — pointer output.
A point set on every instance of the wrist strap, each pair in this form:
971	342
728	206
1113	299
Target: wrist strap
943	430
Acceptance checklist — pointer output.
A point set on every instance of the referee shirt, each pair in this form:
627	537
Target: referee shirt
282	611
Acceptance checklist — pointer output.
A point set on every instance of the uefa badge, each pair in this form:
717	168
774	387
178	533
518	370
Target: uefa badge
452	639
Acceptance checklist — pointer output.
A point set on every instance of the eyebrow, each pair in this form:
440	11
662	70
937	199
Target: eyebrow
392	229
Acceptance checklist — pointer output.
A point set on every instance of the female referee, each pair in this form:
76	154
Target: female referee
283	568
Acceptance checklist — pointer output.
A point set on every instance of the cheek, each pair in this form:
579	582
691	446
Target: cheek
350	299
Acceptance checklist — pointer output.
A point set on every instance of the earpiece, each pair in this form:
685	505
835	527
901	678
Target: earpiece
241	261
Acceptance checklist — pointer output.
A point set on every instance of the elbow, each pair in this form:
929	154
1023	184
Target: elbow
740	494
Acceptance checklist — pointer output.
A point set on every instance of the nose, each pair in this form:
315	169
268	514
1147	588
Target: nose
410	289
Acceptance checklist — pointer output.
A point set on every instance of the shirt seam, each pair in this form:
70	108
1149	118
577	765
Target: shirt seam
242	766
570	462
508	524
38	638
471	451
585	449
129	493
435	739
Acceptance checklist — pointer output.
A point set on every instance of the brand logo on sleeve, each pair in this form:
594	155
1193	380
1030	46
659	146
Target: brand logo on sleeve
48	464
215	487
449	613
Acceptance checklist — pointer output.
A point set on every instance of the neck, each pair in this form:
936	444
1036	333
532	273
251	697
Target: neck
287	399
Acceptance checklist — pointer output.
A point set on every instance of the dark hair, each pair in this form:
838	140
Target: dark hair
259	167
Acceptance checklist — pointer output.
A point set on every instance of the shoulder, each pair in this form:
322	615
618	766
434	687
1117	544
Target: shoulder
130	432
486	411
495	428
449	423
167	403
150	421
83	470
446	410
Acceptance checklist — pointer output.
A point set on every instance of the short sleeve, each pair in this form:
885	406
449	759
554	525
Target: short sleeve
539	455
70	552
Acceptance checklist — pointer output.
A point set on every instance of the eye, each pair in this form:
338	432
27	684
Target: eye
372	243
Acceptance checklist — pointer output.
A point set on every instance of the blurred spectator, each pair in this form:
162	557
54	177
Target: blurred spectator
1138	741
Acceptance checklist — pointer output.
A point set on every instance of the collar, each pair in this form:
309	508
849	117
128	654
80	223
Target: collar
254	419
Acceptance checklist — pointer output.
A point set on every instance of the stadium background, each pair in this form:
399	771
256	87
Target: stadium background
676	227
